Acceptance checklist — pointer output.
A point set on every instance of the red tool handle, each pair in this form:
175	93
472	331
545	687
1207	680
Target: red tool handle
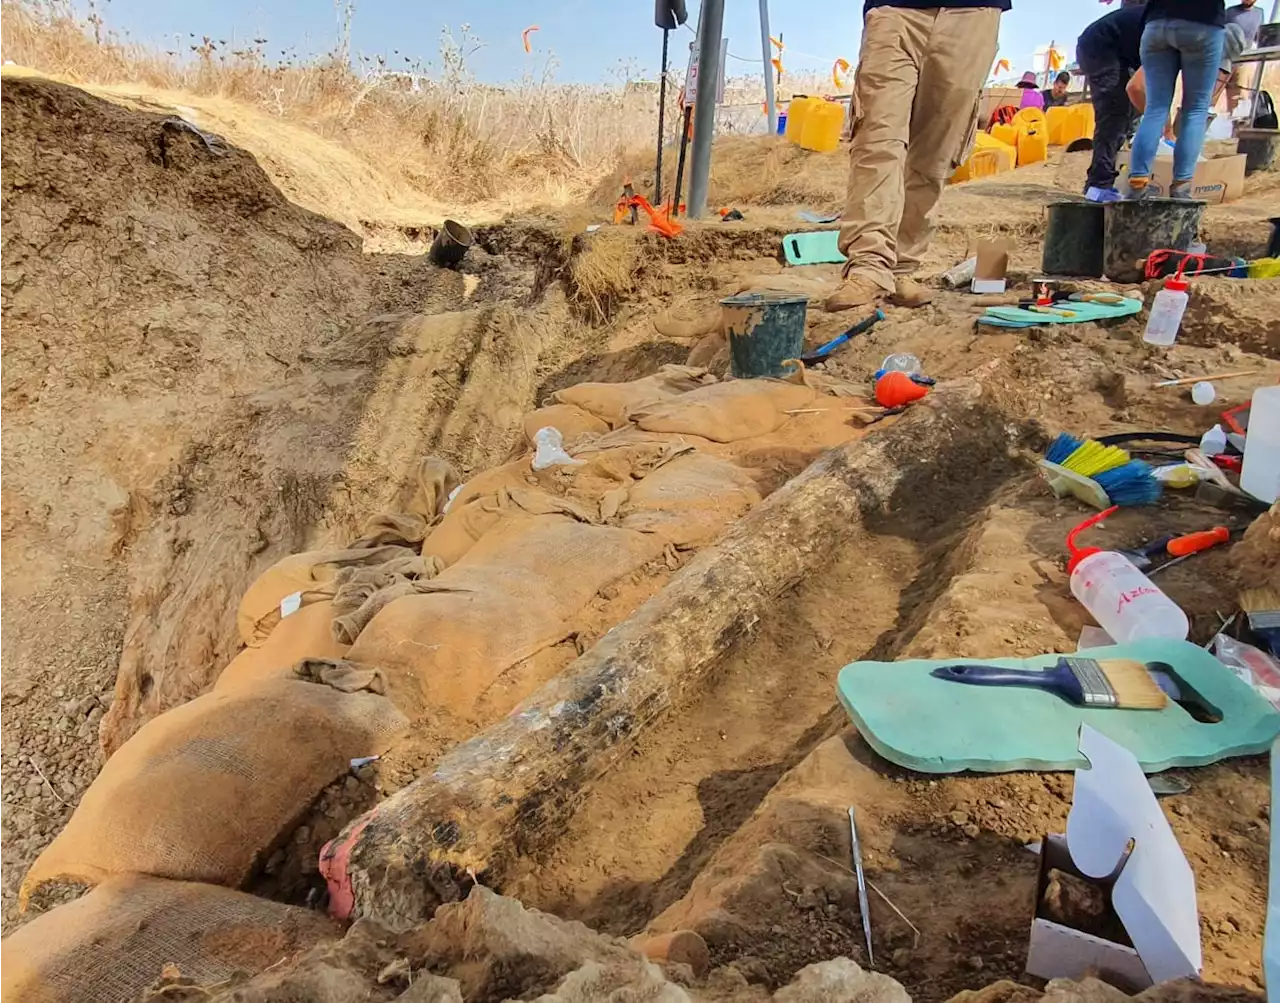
1193	543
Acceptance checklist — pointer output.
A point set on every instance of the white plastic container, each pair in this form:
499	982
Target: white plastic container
1126	603
1260	475
1166	313
1203	393
900	362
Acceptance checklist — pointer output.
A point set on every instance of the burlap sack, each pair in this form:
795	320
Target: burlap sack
725	412
110	945
469	521
573	422
690	500
307	633
515	593
311	575
199	792
612	401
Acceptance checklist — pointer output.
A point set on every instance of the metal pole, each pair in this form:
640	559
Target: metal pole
710	29
771	109
662	107
684	145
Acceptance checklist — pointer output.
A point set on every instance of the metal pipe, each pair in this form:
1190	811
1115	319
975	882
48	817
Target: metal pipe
662	108
771	109
710	29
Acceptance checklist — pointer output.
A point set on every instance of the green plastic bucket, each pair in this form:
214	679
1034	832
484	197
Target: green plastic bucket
764	330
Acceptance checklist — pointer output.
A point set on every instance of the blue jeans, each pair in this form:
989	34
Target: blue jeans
1168	46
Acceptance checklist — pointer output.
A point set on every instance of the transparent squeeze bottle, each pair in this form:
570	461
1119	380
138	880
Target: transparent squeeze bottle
1126	603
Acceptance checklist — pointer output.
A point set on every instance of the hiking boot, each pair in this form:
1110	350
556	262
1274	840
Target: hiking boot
855	293
908	292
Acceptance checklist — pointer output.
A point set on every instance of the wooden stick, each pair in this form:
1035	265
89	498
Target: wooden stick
1186	381
822	410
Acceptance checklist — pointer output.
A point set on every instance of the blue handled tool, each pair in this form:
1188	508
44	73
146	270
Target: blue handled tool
862	327
1086	682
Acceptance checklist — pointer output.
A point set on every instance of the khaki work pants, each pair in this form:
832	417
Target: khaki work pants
919	80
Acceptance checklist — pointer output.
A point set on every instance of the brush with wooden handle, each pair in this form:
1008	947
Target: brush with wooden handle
1116	683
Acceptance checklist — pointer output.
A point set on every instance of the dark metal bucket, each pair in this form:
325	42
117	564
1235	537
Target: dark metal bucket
1136	228
764	330
453	240
1073	239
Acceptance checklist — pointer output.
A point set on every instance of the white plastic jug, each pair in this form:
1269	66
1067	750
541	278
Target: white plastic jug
1126	603
1260	475
1166	313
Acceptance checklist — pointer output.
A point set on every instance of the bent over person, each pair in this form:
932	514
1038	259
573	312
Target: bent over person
920	76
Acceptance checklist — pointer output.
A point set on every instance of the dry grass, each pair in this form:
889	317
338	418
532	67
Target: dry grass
746	171
602	270
443	135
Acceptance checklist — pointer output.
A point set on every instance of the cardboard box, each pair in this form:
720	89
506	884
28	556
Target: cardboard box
1056	950
1217	179
992	98
1119	840
991	265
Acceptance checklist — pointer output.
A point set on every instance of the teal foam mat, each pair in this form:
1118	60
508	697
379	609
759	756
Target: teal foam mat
936	726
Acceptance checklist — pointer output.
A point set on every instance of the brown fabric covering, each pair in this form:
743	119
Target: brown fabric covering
611	402
467	524
111	944
726	412
199	792
304	634
416	512
515	593
573	422
343	676
363	592
347	627
312	574
398	529
690	500
387	537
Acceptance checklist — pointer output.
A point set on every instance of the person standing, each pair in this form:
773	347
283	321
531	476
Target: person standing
1186	36
1056	96
1247	15
1108	52
920	75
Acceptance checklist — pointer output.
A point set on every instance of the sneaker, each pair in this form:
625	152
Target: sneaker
1137	189
908	292
855	292
1108	194
1180	190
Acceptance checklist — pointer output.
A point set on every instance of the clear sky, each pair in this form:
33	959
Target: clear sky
591	39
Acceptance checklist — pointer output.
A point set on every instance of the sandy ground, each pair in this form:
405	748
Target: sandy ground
132	502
